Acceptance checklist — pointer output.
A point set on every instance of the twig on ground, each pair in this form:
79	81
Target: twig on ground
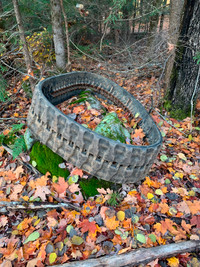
26	164
23	205
170	123
13	118
139	256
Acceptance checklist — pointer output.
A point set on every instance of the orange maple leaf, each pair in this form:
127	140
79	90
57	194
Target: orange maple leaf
77	171
61	185
163	207
86	225
138	133
111	223
152	183
194	206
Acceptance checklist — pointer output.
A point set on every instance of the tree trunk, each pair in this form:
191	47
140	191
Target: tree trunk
26	53
176	7
155	18
184	77
152	40
66	32
162	17
58	34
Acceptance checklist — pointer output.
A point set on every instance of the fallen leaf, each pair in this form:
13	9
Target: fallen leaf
77	240
61	185
77	171
173	262
121	215
86	225
111	223
18	171
32	237
41	191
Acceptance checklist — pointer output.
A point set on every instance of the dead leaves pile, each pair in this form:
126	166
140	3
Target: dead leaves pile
164	208
90	117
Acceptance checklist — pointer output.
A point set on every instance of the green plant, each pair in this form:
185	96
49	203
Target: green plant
9	138
114	199
3	84
197	57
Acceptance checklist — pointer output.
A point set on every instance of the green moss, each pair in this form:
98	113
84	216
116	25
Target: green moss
176	113
112	128
89	186
47	160
179	114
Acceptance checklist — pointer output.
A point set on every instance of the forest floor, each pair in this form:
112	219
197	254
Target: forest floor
162	209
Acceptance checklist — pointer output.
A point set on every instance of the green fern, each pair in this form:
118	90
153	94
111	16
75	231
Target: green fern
16	143
19	146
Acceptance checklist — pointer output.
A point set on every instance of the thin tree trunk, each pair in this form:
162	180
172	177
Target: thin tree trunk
162	17
66	32
26	53
185	82
176	7
58	34
155	18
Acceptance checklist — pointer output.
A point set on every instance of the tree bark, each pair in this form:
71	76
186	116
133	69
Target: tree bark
162	17
58	34
155	18
176	7
185	69
139	256
66	32
26	53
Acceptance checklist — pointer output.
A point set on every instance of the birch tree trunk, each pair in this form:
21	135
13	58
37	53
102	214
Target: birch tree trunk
185	82
26	53
58	34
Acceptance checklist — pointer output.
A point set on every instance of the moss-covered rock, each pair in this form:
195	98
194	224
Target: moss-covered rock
47	160
112	128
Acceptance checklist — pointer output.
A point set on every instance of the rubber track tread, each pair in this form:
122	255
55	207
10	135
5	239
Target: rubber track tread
95	154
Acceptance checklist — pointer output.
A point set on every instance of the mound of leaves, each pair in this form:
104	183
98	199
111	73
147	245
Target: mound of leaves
104	118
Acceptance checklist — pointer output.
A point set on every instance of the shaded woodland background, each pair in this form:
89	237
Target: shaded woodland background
126	36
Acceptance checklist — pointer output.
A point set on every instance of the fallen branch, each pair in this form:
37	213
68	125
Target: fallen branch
23	205
136	257
13	118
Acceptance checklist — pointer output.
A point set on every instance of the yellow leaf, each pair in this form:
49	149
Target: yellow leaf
179	175
25	198
52	257
150	196
121	215
173	262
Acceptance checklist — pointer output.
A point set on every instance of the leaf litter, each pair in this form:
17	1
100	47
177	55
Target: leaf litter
163	208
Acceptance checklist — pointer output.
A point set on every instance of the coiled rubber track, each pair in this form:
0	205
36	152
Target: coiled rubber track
95	154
